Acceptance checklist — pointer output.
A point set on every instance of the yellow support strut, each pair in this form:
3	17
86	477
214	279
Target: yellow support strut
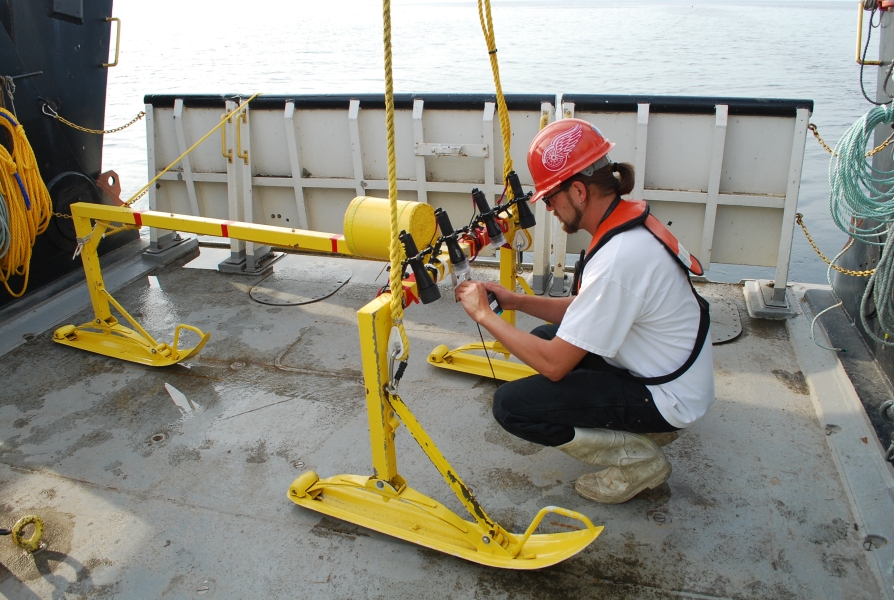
386	503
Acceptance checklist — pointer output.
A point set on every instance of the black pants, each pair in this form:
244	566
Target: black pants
546	412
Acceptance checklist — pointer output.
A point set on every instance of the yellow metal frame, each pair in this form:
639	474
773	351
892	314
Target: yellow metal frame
383	501
468	358
860	60
117	42
105	334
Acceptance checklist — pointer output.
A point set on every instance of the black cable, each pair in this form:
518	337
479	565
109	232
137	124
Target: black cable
481	335
865	50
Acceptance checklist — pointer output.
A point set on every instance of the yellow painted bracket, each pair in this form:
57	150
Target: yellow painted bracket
386	503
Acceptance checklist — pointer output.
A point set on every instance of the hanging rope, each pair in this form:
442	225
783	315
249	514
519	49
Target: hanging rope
396	248
487	28
861	193
26	201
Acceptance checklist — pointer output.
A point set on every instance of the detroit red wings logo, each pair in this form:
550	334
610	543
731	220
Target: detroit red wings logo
556	154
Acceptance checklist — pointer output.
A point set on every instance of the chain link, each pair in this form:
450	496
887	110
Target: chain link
799	219
869	154
52	113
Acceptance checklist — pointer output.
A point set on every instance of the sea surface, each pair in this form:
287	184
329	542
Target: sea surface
765	49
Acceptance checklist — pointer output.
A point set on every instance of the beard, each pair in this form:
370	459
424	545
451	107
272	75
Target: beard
573	225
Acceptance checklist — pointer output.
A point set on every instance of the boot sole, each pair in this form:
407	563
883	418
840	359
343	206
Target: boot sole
650	483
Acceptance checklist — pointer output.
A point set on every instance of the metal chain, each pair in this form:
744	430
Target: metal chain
52	113
140	195
799	219
872	152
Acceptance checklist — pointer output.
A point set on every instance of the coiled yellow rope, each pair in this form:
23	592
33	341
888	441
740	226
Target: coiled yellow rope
487	27
29	206
396	248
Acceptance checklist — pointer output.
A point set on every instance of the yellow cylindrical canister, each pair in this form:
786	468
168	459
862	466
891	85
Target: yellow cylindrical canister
368	225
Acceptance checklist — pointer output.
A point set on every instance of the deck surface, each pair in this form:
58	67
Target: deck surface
147	496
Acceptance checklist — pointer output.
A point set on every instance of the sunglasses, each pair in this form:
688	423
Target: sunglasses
548	199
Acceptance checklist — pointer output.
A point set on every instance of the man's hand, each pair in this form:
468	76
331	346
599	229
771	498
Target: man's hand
508	299
473	296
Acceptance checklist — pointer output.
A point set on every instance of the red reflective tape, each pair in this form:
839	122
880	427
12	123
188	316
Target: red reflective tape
137	218
224	229
334	240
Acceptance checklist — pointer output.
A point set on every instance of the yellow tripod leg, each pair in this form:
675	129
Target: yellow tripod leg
104	334
384	502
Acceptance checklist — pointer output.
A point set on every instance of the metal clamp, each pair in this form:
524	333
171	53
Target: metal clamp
226	152
239	152
117	42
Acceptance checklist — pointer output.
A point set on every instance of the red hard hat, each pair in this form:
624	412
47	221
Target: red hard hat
562	149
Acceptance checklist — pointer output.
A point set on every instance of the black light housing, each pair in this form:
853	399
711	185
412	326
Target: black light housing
486	215
457	257
428	291
525	216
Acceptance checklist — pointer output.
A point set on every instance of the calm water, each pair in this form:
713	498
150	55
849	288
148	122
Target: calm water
795	49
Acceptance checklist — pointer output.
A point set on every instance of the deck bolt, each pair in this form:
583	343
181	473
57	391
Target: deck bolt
380	485
485	539
153	351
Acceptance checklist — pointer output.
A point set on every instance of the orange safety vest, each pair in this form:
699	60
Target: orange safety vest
623	216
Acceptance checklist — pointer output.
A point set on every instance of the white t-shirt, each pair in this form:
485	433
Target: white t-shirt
635	309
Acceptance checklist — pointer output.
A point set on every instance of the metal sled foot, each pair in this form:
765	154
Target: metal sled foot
117	341
406	514
461	359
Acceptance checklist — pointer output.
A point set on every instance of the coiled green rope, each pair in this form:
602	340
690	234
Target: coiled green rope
860	193
857	190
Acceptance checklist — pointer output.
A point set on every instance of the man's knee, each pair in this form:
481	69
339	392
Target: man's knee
546	331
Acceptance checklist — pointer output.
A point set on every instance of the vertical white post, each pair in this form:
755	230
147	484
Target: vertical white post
791	206
292	143
419	138
720	120
234	186
561	243
185	163
542	245
487	132
356	152
154	233
639	160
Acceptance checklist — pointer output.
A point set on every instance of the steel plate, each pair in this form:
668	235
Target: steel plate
725	322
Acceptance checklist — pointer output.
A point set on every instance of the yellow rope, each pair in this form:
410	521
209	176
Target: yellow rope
28	202
143	189
487	27
396	248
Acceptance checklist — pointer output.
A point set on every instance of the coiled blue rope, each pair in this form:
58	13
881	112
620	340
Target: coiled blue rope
5	233
860	193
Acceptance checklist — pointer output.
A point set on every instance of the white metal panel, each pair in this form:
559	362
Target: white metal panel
757	155
679	151
745	235
374	144
324	143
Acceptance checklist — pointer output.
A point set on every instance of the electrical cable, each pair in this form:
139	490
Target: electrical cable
481	335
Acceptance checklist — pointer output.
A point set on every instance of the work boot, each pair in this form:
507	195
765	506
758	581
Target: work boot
664	438
634	463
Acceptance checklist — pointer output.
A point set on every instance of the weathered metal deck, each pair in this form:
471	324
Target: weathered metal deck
171	483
